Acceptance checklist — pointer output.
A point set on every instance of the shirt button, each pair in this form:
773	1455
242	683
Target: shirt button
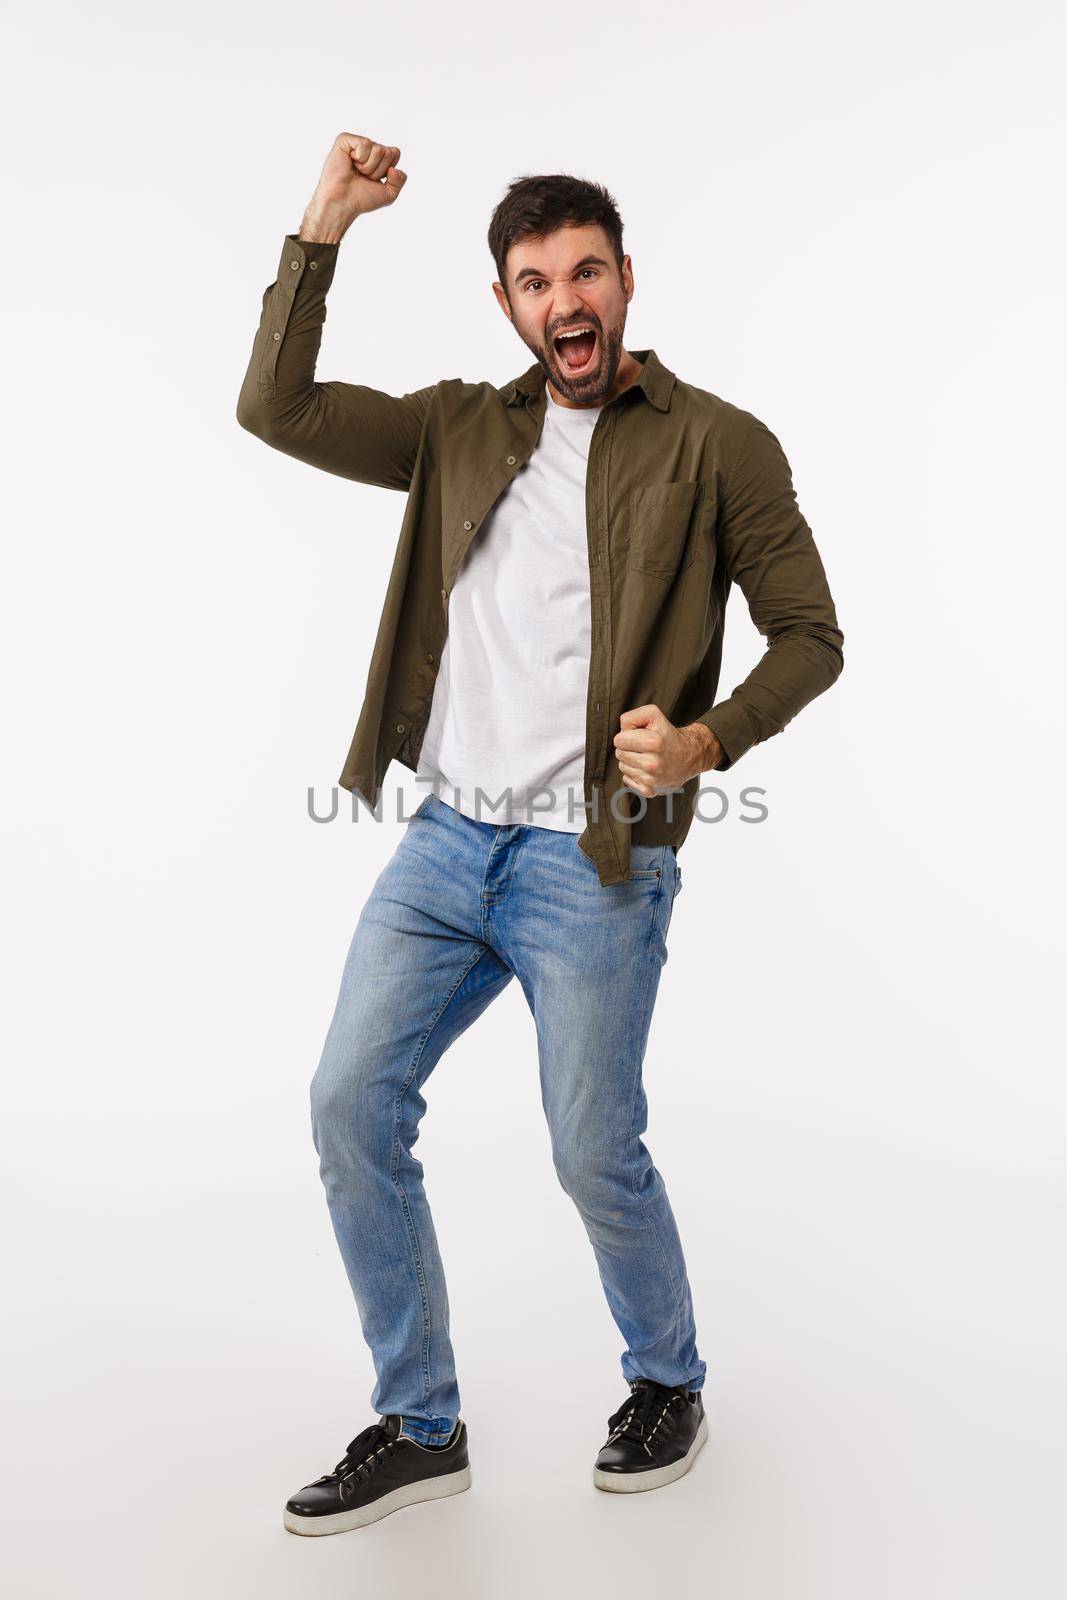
400	727
277	335
429	653
511	461
468	526
444	594
312	265
295	265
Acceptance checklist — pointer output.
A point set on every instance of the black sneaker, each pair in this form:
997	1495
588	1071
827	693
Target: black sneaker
380	1473
655	1436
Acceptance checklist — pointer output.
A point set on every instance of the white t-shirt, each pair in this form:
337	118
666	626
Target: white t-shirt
509	705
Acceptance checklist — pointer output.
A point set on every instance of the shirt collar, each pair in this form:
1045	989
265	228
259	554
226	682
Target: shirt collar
654	380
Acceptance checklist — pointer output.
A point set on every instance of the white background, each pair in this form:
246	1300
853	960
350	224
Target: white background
842	218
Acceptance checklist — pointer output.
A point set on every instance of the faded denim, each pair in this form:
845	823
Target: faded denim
460	908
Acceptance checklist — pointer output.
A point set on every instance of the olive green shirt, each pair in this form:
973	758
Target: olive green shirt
686	494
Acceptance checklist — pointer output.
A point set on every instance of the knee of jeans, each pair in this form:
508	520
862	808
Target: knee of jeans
596	1182
338	1122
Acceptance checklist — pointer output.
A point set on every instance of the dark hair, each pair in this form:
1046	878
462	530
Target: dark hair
536	206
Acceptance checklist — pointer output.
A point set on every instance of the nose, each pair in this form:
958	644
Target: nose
567	306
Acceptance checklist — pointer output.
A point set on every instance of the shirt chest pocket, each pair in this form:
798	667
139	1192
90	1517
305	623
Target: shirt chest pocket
664	529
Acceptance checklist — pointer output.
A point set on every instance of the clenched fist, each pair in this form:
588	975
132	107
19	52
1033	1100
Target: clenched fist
357	176
654	756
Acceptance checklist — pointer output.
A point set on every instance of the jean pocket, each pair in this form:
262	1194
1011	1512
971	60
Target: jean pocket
646	861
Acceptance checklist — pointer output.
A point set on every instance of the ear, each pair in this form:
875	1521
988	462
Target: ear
502	300
626	272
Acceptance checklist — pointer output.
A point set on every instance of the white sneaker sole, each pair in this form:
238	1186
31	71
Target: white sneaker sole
656	1477
408	1494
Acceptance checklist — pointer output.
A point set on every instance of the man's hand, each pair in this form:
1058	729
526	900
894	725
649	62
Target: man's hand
357	176
655	756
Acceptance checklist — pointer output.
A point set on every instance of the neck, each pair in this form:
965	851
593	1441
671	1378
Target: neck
627	375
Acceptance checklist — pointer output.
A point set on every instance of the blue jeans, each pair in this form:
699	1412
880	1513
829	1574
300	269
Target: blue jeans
461	907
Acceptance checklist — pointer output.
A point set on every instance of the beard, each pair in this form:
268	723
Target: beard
591	387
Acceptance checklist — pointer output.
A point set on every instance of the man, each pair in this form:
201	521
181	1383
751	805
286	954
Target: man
548	655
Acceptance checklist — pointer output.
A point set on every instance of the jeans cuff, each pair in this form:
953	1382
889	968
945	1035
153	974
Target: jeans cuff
432	1433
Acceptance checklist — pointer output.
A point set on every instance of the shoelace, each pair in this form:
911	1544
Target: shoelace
641	1413
362	1455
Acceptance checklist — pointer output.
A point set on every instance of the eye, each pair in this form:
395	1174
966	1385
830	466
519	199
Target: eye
537	283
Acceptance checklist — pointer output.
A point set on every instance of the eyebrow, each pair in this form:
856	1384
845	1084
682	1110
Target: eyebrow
586	261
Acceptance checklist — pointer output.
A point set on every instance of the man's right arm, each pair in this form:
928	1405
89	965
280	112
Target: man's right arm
344	428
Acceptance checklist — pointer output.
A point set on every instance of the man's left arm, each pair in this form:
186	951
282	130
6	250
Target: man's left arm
770	554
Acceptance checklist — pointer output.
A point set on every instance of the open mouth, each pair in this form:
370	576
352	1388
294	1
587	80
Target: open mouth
576	348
